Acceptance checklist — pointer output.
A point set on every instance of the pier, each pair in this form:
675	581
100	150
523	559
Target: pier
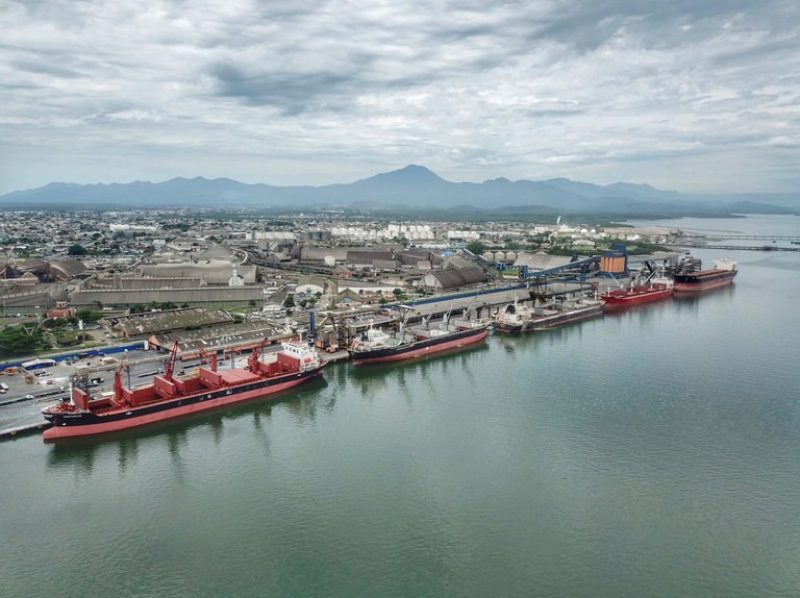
713	237
736	247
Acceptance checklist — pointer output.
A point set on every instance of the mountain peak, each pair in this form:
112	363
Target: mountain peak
412	172
413	185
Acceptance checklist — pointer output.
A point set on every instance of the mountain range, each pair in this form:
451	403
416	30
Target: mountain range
411	188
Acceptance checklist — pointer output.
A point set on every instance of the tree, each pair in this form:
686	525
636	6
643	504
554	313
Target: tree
89	316
21	340
68	338
289	301
476	247
76	250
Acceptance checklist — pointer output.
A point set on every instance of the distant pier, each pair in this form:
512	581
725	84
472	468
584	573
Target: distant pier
735	247
713	237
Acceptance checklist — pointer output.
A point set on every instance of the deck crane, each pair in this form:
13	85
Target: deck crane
206	358
252	360
119	395
169	367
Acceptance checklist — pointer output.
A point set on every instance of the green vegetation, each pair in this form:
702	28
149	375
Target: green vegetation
508	273
51	323
69	338
289	301
22	339
76	250
89	316
634	247
476	247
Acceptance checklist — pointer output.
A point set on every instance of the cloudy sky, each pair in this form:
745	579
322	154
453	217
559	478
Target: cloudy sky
695	95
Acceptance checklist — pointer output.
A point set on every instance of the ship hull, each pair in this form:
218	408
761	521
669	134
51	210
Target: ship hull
619	300
567	318
548	322
420	348
88	424
703	281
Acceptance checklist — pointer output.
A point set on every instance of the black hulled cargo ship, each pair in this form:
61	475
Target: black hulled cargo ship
524	318
378	346
692	279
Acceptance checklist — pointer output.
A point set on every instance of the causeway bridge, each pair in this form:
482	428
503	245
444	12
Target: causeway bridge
724	237
736	247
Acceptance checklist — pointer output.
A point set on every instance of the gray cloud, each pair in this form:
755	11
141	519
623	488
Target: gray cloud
689	95
292	93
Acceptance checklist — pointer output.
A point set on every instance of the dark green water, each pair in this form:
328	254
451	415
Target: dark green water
655	453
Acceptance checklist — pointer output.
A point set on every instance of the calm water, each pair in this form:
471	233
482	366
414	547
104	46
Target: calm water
655	453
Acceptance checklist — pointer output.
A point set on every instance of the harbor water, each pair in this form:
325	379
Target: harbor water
655	452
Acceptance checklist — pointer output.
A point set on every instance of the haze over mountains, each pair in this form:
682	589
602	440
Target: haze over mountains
411	188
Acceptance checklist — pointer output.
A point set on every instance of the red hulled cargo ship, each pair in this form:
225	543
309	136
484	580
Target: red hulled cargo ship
172	396
696	281
636	295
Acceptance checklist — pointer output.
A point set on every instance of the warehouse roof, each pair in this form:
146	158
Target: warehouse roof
216	272
170	319
541	260
454	278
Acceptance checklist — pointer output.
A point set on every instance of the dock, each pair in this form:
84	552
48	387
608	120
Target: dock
735	247
18	418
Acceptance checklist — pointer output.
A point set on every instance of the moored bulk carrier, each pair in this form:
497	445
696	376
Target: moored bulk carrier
171	396
523	318
635	294
691	279
377	346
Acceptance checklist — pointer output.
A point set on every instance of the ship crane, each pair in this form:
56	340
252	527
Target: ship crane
206	358
169	367
119	395
426	320
252	360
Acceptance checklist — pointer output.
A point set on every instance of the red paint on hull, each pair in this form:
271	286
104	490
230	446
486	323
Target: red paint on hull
618	301
462	342
702	286
57	432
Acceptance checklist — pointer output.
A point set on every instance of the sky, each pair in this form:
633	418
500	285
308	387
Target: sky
698	96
